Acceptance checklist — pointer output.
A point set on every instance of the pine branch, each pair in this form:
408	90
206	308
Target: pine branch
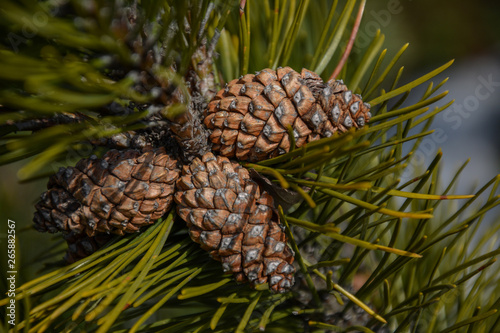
369	247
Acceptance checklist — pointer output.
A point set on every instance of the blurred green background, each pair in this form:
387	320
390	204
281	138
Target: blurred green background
436	30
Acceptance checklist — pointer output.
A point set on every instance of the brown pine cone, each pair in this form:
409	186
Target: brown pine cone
118	194
250	116
82	246
232	218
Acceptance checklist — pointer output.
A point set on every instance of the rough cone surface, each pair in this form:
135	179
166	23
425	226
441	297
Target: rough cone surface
250	117
229	215
118	194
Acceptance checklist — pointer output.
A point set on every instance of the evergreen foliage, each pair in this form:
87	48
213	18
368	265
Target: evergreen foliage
373	253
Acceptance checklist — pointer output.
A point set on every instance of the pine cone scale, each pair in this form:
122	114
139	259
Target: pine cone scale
232	219
119	193
250	117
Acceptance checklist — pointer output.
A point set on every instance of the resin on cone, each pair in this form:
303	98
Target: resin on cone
118	193
235	221
251	116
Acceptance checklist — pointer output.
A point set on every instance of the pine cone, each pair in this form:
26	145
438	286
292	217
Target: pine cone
82	246
117	194
250	116
229	215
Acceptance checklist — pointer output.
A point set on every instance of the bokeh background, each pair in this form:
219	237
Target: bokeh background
437	30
